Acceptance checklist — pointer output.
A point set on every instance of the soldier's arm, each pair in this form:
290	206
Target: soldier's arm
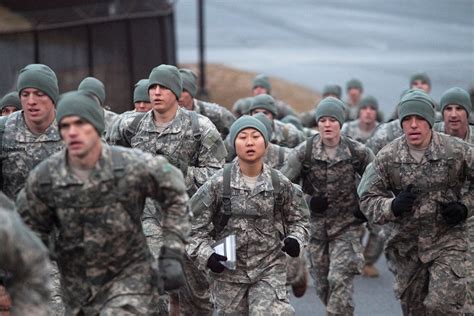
297	215
122	130
293	165
375	198
23	254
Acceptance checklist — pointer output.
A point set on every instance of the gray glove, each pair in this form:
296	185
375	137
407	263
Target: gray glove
170	269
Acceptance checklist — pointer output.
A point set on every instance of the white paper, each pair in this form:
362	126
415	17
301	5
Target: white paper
226	247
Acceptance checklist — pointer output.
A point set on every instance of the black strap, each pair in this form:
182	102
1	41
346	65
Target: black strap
223	218
306	165
278	198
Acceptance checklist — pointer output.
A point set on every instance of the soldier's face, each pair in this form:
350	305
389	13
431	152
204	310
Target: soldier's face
37	106
420	84
354	93
79	136
9	109
250	145
329	128
186	100
162	99
455	117
367	115
417	131
142	106
259	90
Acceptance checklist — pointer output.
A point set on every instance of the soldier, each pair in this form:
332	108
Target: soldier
261	85
329	165
329	90
29	136
354	90
10	103
257	204
141	98
426	171
97	89
94	195
362	128
242	106
26	259
219	115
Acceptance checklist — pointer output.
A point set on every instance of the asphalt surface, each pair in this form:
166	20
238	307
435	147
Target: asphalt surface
315	42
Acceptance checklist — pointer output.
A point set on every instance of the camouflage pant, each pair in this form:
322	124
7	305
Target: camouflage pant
334	263
129	304
56	304
267	296
434	288
374	247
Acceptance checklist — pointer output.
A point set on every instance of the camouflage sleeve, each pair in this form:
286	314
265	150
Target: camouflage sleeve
203	206
23	254
121	130
167	187
468	196
292	168
377	140
211	156
297	215
375	198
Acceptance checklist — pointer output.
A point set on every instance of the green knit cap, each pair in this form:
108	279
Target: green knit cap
82	104
244	122
94	86
265	121
166	76
262	80
264	101
140	94
11	99
420	76
369	101
242	105
40	77
291	119
189	81
354	84
456	96
416	102
333	107
332	90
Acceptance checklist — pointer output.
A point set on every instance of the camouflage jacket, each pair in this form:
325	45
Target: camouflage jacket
21	151
439	127
352	129
335	179
383	135
109	119
100	248
24	256
219	115
286	135
352	112
448	163
254	221
177	142
276	155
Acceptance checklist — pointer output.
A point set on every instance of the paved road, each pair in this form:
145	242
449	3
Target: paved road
314	42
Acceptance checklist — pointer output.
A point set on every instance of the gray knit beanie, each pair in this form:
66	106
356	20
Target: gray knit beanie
140	94
40	77
244	122
167	76
262	80
265	121
416	102
82	104
354	84
420	76
332	90
189	81
263	101
369	101
456	96
94	86
332	107
11	99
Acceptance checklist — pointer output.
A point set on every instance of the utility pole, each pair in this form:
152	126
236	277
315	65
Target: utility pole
203	94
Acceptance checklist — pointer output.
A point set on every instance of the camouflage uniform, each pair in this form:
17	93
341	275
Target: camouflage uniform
219	115
26	258
101	250
335	247
109	119
426	255
257	285
286	135
352	129
352	112
276	155
21	151
383	135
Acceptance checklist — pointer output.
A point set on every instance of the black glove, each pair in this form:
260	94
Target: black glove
359	215
453	212
404	201
291	247
318	204
214	263
170	269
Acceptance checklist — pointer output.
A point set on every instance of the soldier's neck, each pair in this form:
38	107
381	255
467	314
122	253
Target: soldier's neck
166	117
87	160
367	127
331	142
251	169
38	128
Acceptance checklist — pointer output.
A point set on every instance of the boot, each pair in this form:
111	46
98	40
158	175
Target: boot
370	271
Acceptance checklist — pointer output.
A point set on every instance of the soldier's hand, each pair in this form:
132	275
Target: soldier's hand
170	269
359	215
318	204
291	247
5	300
214	263
453	212
404	201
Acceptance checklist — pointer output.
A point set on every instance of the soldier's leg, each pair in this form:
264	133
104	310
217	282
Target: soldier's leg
346	261
131	305
195	297
319	261
447	291
373	249
297	274
56	303
230	298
